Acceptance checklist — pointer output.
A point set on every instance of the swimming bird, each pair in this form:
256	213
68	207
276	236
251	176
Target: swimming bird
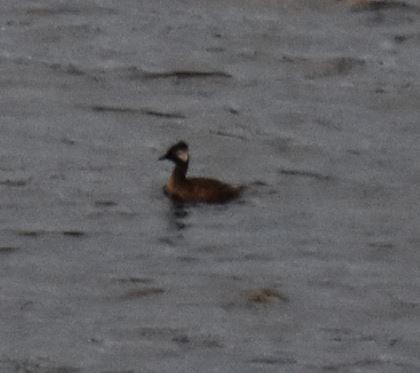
181	188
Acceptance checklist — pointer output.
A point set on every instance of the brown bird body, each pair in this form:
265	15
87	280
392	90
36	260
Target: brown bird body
194	189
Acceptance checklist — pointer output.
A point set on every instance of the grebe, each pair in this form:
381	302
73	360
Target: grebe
194	189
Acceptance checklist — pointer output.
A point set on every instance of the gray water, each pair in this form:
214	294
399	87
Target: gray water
314	105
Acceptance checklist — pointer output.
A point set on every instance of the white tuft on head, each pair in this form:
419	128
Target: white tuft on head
182	155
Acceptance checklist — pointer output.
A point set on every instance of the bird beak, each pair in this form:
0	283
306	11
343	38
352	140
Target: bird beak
163	157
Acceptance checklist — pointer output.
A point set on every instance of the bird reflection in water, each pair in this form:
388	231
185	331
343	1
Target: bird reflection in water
177	213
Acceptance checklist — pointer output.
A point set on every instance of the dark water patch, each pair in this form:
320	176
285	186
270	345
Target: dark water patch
293	59
76	71
198	341
332	67
353	151
138	111
134	280
273	192
227	134
371	191
345	334
105	203
226	259
8	168
114	109
158	332
407	305
381	245
27	305
95	168
407	367
379	251
67	10
56	11
186	74
142	293
282	145
31	233
73	233
400	38
8	249
110	212
328	124
67	141
273	360
314	68
338	334
310	174
181	339
34	366
211	343
134	73
215	49
393	341
358	364
211	249
232	110
15	182
67	68
258	183
256	258
162	114
180	226
187	259
167	241
265	295
376	5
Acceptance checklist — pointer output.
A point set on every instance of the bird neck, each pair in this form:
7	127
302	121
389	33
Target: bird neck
180	171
